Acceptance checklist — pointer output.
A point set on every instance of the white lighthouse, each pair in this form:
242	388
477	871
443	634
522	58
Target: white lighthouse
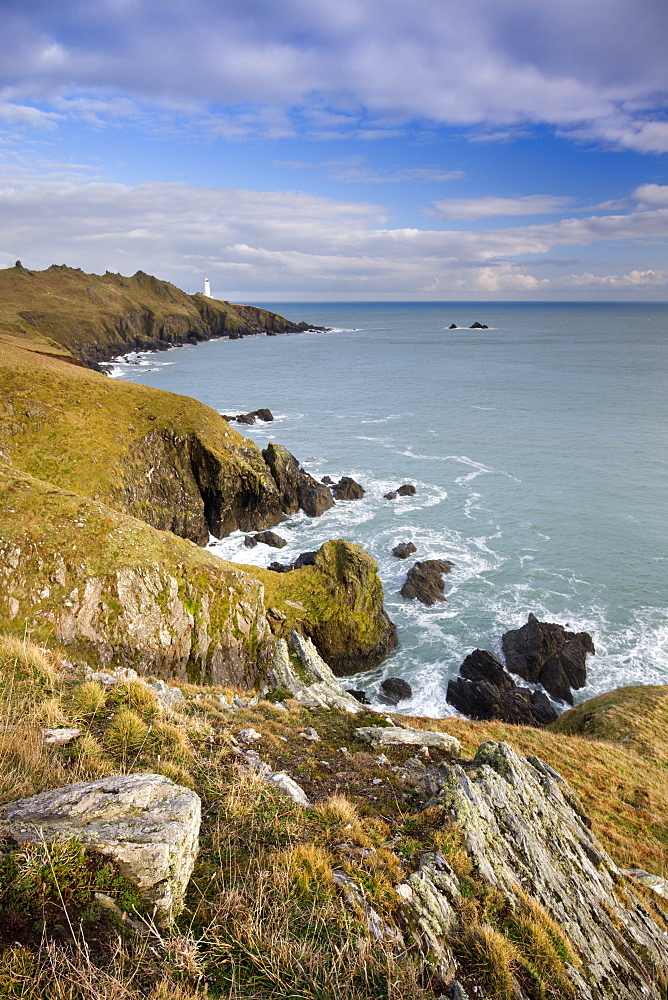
207	288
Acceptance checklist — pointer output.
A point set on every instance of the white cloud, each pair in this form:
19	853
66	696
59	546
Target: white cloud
598	67
488	207
286	242
652	195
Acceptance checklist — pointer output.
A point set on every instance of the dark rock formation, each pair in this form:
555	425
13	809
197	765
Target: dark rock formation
403	550
327	480
453	326
296	488
395	689
391	495
250	418
424	581
407	490
305	559
547	654
478	326
266	538
360	696
484	690
348	489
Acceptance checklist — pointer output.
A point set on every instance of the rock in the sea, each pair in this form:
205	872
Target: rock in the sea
527	836
314	684
297	489
453	326
146	824
547	654
403	550
265	538
395	689
478	326
348	489
327	480
425	581
359	696
391	495
407	490
485	690
385	736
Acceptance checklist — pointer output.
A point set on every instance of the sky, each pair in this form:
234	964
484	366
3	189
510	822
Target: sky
324	150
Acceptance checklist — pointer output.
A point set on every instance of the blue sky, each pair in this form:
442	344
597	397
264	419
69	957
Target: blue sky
341	149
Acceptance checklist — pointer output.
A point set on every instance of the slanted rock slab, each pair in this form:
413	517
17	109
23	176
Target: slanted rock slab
424	581
146	824
383	736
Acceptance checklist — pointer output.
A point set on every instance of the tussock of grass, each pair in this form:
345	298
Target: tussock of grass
127	734
88	699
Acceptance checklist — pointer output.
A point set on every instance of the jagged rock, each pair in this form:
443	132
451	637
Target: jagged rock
250	418
327	480
383	736
249	735
407	490
296	488
453	326
526	833
288	786
484	690
168	695
304	559
391	495
359	696
478	326
654	882
424	581
320	687
265	538
547	654
403	550
348	489
395	689
354	632
146	824
310	734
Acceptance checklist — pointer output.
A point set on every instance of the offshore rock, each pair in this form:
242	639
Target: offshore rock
403	550
348	489
313	683
395	689
549	655
425	581
146	824
297	489
265	538
484	690
526	833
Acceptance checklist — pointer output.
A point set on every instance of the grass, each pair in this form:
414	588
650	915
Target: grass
263	899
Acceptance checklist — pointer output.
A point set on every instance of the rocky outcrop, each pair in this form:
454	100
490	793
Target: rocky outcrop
386	736
296	488
425	581
250	418
527	837
348	489
265	538
123	594
549	655
310	681
353	631
484	690
147	825
403	550
395	689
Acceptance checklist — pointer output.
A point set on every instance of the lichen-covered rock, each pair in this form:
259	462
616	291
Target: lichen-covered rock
546	653
146	824
312	683
384	736
526	833
122	593
288	787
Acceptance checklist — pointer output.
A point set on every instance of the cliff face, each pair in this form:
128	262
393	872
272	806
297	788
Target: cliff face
96	317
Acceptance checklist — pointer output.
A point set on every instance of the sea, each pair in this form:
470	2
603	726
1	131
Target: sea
537	448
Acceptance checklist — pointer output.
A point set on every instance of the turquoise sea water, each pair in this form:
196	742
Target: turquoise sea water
537	447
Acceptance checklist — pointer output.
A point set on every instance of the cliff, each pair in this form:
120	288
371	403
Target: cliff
97	317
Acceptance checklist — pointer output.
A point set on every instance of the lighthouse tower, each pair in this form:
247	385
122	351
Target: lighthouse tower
207	288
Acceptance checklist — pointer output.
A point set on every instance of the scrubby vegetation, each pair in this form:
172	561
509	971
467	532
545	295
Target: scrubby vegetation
279	902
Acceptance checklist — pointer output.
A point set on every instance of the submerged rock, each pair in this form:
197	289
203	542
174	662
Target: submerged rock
547	654
425	581
147	825
485	690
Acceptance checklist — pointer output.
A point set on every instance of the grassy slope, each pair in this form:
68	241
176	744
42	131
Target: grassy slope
97	316
265	919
